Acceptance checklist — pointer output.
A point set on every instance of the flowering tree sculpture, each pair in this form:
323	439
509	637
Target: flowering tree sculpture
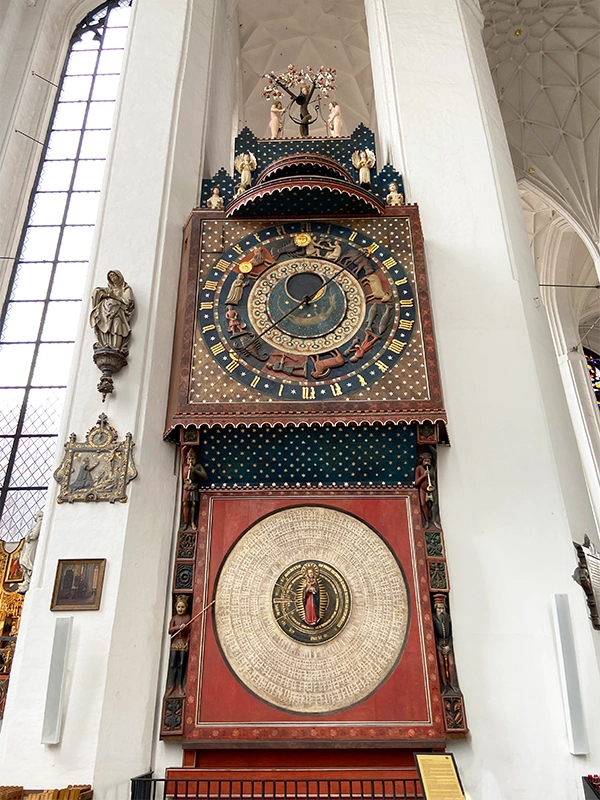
300	85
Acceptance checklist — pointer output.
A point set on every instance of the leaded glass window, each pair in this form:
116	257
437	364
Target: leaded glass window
40	317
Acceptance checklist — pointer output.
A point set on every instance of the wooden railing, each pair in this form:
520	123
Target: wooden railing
145	787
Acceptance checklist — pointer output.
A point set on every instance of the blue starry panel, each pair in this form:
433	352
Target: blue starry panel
369	456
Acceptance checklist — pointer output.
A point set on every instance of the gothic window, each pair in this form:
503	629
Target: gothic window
40	318
593	362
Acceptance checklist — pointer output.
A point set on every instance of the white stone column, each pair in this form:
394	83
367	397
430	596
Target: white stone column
110	717
512	490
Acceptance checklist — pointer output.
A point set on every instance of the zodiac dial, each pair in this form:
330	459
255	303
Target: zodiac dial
306	311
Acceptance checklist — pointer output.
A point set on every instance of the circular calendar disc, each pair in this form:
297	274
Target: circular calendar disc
343	641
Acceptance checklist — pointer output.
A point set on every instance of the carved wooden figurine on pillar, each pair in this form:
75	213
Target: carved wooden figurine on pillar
179	631
454	711
193	475
425	481
112	307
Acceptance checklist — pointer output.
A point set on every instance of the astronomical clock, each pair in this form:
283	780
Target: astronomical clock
310	587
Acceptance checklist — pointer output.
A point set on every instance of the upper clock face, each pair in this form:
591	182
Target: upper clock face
307	311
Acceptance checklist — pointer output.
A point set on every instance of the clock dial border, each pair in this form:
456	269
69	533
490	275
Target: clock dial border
306	382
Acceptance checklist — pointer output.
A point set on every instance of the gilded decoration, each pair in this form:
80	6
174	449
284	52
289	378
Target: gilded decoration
319	665
11	606
97	469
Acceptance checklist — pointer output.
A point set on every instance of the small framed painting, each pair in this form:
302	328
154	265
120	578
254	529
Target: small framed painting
78	584
13	573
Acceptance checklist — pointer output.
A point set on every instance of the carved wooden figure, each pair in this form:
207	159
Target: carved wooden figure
193	475
179	630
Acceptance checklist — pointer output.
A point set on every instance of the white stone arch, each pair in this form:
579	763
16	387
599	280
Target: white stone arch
564	254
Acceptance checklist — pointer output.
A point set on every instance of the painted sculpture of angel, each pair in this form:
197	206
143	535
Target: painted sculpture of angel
364	161
245	164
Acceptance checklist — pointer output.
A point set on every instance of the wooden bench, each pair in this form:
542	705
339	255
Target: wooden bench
11	793
77	792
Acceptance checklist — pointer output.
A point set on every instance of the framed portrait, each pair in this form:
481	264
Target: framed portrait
13	572
78	584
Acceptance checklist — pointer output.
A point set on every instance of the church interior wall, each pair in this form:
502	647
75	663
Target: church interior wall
512	483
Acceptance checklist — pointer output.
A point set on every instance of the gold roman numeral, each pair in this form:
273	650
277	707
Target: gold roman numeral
396	346
237	249
254	381
383	367
280	392
361	380
390	262
280	229
406	324
336	389
233	364
308	393
353	236
257	237
305	226
209	328
401	281
217	348
371	248
206	306
210	286
221	265
407	303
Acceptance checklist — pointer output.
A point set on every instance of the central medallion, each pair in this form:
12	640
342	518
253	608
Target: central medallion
307	306
311	602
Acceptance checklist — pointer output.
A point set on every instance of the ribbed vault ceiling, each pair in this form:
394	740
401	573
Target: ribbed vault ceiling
545	62
331	33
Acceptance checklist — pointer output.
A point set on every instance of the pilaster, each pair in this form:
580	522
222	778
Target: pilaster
114	655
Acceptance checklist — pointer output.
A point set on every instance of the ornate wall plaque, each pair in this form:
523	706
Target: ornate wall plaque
279	663
98	468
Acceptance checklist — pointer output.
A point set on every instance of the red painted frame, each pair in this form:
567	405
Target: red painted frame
405	711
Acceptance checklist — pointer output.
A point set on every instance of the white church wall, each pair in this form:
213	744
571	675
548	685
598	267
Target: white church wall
512	489
151	185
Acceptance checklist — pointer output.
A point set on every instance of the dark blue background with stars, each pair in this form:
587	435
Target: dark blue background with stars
381	455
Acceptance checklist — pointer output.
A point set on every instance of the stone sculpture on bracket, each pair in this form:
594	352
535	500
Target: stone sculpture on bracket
27	554
112	307
97	469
